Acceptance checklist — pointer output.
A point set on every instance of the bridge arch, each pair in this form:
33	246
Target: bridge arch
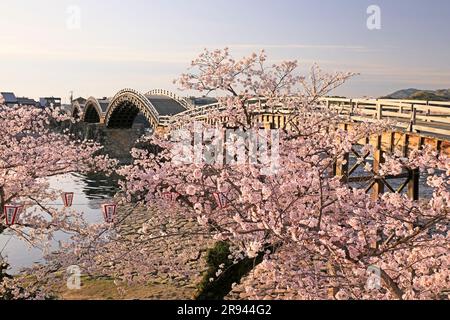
128	103
94	110
77	110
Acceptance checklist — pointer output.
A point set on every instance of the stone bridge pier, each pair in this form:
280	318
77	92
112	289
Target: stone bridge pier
117	143
118	122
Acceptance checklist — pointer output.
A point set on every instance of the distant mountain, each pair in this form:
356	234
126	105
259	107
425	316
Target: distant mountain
416	94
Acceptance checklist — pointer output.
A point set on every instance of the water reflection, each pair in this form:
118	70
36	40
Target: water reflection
90	191
97	188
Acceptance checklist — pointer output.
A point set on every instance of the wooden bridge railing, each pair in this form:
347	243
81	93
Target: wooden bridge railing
429	117
419	123
413	115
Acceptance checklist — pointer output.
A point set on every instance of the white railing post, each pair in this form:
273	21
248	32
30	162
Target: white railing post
379	111
413	118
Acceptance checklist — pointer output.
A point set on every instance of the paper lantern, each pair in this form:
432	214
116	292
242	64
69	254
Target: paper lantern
11	213
109	212
170	196
221	200
67	199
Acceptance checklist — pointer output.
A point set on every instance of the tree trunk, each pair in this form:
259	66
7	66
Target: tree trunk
391	285
2	226
232	273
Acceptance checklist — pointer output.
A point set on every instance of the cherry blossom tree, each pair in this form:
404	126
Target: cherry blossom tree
319	238
33	149
275	201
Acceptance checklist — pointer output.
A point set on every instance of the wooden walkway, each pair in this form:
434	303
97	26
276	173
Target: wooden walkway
415	123
420	122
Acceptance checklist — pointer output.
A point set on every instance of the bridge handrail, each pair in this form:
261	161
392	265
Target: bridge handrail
202	110
388	101
410	111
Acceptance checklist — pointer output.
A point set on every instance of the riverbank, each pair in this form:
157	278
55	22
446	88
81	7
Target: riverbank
102	289
160	286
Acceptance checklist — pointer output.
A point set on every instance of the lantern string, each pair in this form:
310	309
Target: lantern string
61	204
6	244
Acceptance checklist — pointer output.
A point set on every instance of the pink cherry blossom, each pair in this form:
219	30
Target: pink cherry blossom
318	237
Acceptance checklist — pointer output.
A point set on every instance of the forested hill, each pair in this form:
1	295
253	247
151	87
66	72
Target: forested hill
416	94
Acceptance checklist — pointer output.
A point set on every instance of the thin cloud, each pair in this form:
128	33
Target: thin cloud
358	48
95	54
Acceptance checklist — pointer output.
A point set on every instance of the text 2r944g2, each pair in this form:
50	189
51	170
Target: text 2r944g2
247	310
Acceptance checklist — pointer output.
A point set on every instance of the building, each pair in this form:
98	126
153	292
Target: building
24	101
48	102
9	98
80	100
202	101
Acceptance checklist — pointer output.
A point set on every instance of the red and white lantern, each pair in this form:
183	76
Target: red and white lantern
109	212
170	196
11	213
221	200
174	196
68	199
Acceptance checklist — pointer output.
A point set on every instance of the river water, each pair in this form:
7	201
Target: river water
90	191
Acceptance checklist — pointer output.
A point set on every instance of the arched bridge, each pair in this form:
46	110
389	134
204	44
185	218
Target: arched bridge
417	123
426	119
120	111
160	107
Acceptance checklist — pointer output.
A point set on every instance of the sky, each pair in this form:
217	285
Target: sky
47	48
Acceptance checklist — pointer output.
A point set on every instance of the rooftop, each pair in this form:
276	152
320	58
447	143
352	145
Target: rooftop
9	97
